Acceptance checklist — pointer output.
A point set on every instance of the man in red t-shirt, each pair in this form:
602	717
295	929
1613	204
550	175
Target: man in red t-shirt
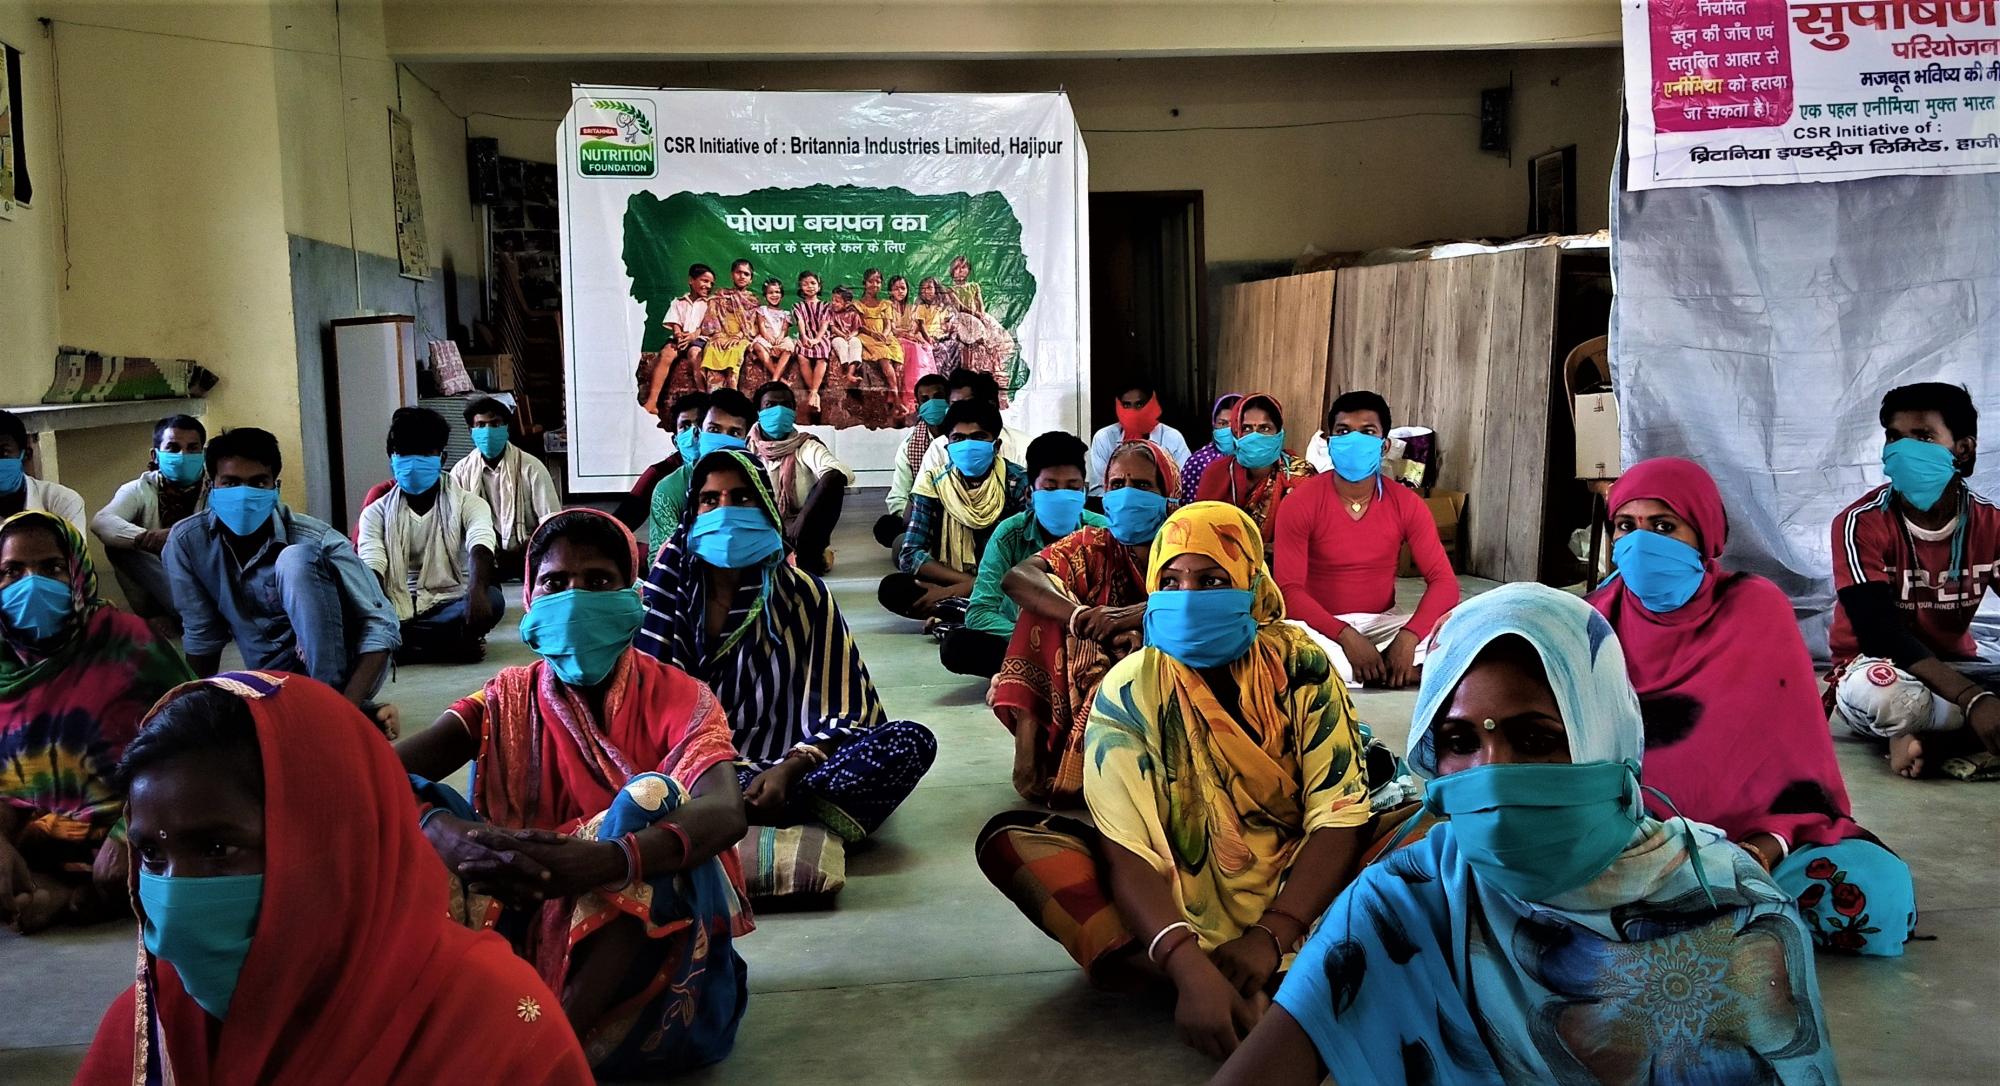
1336	539
1911	562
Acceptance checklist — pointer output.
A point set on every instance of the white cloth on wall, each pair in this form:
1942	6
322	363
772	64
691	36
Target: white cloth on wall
1755	330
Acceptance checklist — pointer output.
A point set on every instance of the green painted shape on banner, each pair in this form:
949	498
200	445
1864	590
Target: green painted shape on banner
665	235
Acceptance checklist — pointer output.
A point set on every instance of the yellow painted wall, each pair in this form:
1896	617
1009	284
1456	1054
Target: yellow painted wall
187	163
577	29
335	185
31	241
176	225
1401	163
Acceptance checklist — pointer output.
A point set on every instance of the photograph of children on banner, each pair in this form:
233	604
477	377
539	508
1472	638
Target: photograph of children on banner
852	353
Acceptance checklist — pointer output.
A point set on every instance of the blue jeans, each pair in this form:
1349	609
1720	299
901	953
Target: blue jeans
446	627
309	593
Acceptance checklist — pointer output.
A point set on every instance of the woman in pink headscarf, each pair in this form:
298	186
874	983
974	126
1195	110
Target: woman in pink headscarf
1735	733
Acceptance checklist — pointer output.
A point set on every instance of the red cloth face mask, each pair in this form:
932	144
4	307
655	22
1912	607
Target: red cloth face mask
1138	422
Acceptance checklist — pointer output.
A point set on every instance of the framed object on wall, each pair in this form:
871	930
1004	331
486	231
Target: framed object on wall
1552	192
413	254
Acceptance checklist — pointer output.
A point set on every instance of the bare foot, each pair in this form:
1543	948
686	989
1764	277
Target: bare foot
1906	756
42	908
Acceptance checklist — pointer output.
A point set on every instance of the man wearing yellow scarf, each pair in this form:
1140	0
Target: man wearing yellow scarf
953	513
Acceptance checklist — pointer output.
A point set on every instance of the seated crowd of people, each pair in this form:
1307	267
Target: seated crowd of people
564	860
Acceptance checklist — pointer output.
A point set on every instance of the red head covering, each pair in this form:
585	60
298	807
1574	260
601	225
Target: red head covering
1225	480
356	972
1735	732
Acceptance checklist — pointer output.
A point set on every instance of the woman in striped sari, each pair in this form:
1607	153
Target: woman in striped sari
723	604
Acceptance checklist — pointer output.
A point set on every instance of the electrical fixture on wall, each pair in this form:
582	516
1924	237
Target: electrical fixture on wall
1495	103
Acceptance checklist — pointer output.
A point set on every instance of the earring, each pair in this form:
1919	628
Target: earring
1488	724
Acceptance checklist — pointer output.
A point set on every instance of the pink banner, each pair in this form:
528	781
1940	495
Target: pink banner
1720	64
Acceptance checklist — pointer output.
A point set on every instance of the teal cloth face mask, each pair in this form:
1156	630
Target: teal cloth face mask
1918	470
735	537
1058	511
582	632
243	509
203	927
1357	457
778	422
1257	451
1539	830
1225	440
688	443
933	412
415	473
712	442
1135	515
35	606
1662	571
13	475
491	441
1206	628
181	468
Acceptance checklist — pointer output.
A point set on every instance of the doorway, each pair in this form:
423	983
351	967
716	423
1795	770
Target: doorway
1149	303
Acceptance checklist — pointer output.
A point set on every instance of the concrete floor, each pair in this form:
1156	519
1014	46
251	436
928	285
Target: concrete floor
923	974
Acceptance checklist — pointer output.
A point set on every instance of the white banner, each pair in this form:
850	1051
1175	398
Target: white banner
917	233
1765	92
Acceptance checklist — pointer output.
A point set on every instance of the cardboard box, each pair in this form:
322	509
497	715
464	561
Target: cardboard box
1597	455
492	372
1447	512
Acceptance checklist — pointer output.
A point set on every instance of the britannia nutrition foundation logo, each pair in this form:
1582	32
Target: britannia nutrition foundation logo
615	138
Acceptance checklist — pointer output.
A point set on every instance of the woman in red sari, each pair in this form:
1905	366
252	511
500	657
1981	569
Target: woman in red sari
1258	475
293	918
1082	601
605	810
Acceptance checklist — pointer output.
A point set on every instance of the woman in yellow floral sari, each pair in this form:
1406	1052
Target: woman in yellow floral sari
1223	769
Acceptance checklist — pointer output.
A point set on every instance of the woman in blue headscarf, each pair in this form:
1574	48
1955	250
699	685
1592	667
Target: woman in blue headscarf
1547	930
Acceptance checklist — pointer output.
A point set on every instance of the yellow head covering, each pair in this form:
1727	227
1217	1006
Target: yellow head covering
1226	535
1219	798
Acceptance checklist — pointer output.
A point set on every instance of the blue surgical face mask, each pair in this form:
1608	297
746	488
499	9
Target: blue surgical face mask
1205	628
711	441
735	537
778	422
202	927
243	509
1058	511
973	458
35	606
688	443
1539	830
1256	450
1662	571
934	411
1356	456
1135	515
1225	440
181	468
415	474
12	474
491	441
1919	470
582	632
